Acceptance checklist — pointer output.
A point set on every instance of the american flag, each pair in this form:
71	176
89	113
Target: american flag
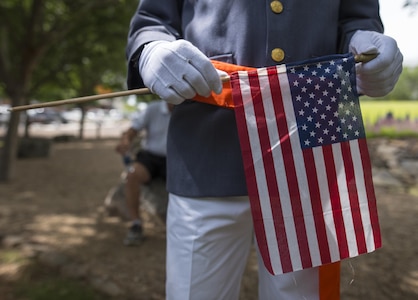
306	163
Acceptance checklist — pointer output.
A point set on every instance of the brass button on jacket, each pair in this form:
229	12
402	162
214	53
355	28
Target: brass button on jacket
277	54
276	6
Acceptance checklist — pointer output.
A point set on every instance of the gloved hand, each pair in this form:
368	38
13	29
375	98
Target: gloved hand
177	70
377	77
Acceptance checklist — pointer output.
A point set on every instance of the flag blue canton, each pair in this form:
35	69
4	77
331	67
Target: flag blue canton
325	101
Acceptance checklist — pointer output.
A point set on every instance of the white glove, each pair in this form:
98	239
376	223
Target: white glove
177	70
377	77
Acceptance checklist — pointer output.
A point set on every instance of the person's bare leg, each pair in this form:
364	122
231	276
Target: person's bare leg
136	177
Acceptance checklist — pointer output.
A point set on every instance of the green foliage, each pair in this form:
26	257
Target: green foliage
406	87
93	56
63	48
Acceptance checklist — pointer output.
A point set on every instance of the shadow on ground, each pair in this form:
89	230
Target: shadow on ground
53	213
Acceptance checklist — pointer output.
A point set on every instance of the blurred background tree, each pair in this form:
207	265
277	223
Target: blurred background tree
53	49
407	87
56	49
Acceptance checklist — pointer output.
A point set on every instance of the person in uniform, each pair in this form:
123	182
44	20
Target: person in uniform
170	47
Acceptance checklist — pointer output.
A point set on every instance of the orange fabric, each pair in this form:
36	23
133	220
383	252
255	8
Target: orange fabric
225	98
329	281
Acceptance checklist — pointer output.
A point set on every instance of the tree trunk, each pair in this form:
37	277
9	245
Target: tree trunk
9	150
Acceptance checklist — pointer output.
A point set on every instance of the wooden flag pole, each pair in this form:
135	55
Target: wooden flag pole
363	58
143	91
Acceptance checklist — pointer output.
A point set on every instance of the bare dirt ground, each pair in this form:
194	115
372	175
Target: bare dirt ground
53	210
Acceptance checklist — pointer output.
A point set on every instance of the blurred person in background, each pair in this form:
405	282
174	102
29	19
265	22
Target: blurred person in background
149	161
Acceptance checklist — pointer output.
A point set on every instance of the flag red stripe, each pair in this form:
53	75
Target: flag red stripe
289	164
353	197
317	210
335	201
250	173
368	178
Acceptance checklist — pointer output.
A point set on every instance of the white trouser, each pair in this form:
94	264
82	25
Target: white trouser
208	243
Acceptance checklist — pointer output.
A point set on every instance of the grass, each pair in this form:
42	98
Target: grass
374	110
392	133
53	288
11	257
38	282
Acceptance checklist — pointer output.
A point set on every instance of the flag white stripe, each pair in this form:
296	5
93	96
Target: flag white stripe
263	192
326	204
288	218
362	194
345	200
300	168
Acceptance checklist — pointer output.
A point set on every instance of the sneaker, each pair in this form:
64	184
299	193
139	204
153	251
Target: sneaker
134	236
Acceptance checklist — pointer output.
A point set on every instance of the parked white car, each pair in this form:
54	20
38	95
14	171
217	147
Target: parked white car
4	113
